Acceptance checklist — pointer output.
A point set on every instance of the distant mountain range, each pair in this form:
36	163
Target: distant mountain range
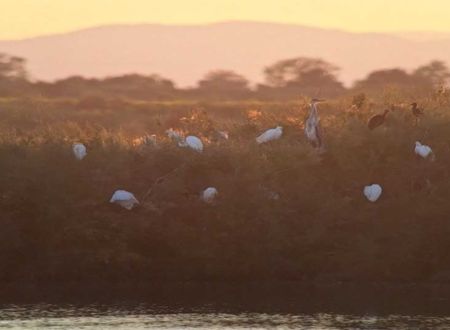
185	53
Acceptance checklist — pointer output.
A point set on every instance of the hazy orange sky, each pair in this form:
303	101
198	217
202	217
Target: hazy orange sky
27	18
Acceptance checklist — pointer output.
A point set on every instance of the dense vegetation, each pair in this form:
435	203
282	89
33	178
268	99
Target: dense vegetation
57	224
283	80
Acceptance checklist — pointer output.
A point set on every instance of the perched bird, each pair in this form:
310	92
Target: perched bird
124	199
79	150
377	120
372	192
313	131
416	111
422	150
209	194
192	142
270	135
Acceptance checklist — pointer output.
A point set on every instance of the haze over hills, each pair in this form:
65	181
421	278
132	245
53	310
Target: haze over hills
185	53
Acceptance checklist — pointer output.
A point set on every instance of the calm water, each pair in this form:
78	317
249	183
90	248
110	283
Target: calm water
227	306
45	316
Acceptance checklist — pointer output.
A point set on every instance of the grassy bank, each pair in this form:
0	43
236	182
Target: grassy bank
57	225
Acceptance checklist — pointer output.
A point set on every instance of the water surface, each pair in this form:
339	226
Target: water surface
143	316
255	305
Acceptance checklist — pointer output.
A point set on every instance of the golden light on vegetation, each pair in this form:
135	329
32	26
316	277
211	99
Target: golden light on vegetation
292	191
319	197
254	115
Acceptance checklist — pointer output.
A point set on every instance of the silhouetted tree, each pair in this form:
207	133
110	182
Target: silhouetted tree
12	67
132	86
75	86
389	77
13	76
436	73
297	70
139	86
302	75
224	84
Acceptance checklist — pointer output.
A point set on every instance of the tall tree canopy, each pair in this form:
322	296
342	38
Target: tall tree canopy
13	76
435	73
308	76
224	84
388	77
300	71
129	85
12	67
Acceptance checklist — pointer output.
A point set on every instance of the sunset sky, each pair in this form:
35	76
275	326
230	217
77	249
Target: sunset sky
27	18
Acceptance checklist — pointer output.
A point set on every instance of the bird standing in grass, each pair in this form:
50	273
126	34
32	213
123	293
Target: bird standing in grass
422	150
270	134
373	192
79	150
377	120
192	142
312	125
416	111
124	198
209	194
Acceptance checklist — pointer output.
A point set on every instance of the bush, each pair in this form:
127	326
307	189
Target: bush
92	102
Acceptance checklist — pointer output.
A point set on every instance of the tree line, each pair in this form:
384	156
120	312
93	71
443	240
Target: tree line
285	79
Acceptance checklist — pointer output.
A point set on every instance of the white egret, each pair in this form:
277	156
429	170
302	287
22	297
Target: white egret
192	142
270	135
209	194
422	150
79	150
312	125
124	198
373	192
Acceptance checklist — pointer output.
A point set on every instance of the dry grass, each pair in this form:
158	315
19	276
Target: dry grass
57	223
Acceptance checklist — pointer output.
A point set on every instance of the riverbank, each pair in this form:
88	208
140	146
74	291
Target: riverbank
284	211
271	297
